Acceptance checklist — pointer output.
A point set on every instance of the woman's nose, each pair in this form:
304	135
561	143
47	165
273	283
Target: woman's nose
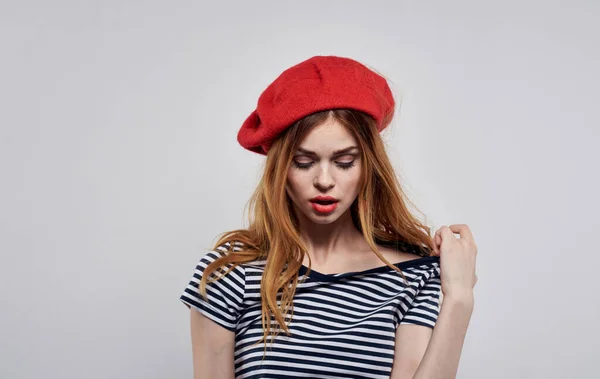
324	179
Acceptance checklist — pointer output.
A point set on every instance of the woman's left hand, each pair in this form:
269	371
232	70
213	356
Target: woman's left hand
457	259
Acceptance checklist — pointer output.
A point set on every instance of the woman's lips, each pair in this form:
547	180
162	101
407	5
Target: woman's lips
324	208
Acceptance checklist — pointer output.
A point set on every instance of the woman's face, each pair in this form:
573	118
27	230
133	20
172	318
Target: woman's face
327	163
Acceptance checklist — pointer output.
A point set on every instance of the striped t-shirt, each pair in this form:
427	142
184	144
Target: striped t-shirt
343	325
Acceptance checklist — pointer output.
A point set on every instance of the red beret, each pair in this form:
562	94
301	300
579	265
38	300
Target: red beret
316	84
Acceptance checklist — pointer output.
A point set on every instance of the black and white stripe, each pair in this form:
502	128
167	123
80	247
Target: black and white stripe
343	325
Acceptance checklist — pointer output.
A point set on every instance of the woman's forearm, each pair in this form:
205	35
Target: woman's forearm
445	346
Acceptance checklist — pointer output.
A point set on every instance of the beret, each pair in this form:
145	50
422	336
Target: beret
316	84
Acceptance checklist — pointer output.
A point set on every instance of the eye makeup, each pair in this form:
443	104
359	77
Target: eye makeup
306	166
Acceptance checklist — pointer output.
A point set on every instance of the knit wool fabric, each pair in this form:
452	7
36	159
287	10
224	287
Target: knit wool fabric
316	84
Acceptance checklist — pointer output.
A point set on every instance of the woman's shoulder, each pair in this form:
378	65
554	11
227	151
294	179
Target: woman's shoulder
221	251
231	247
408	256
227	246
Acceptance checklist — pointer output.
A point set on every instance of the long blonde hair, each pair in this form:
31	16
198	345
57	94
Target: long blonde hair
379	212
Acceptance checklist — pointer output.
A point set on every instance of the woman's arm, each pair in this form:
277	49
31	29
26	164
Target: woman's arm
212	348
421	353
444	349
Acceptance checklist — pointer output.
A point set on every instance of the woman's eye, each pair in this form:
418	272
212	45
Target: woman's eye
345	165
301	165
306	165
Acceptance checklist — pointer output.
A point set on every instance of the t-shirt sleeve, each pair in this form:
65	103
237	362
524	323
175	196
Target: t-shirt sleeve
225	295
425	307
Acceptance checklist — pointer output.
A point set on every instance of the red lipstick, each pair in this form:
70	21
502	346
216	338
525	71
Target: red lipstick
324	204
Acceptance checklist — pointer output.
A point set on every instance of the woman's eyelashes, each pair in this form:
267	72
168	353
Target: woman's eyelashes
307	165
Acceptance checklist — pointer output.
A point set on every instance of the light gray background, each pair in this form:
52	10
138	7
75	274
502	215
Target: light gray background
119	165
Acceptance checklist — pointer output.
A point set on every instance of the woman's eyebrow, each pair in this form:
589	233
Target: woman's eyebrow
337	152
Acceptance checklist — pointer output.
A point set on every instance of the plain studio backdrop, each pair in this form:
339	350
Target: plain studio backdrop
120	165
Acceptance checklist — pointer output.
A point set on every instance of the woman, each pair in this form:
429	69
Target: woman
334	278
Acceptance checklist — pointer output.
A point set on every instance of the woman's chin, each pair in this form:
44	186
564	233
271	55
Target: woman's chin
323	218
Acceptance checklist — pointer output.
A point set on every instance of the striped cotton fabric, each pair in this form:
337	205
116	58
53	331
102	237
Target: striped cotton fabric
343	324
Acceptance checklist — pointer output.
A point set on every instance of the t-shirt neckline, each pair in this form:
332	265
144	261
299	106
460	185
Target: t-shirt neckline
401	265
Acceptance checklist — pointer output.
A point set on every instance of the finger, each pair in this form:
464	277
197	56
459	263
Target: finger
434	242
446	230
446	238
463	230
436	250
440	232
446	234
437	241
